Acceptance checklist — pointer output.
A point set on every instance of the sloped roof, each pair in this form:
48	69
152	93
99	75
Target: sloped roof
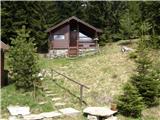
73	18
4	46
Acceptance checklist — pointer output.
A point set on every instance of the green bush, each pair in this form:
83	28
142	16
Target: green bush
23	61
130	102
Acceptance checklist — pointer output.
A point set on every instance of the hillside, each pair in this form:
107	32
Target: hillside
104	73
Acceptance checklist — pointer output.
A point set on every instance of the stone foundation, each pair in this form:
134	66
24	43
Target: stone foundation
58	53
64	52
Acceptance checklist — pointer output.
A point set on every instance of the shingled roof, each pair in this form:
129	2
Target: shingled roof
73	18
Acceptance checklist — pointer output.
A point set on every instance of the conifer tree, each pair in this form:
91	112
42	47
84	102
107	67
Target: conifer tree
145	80
23	61
130	102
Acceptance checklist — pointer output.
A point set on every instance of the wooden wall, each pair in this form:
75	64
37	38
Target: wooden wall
61	43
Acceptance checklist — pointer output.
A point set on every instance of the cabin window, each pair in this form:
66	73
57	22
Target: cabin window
58	37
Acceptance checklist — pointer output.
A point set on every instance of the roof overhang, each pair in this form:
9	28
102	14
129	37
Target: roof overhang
76	19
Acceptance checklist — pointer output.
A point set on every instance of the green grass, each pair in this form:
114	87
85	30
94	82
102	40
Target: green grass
11	96
104	73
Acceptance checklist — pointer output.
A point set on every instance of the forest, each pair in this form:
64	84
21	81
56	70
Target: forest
123	73
118	19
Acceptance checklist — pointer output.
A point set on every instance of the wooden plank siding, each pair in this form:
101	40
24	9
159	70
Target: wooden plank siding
61	43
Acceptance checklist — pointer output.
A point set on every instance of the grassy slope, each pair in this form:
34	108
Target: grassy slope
104	73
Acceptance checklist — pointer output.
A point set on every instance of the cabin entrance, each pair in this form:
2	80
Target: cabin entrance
73	39
73	43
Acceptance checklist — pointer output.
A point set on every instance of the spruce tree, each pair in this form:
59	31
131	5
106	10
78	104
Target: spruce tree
23	61
130	102
146	80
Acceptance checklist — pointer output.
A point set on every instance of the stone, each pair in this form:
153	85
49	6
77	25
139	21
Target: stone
126	49
33	117
48	92
56	99
52	114
50	95
47	118
59	104
112	118
41	103
90	117
99	111
69	111
18	110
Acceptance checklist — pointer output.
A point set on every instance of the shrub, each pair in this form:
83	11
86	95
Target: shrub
130	103
23	62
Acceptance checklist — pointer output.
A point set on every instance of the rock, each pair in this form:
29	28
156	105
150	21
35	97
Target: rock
58	104
33	117
126	49
41	103
52	114
56	99
69	111
48	92
17	110
99	111
50	95
112	118
90	117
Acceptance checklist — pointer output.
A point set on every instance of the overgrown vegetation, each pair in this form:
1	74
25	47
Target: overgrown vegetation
23	61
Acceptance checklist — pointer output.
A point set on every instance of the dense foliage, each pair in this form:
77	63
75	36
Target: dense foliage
130	103
147	80
23	61
120	19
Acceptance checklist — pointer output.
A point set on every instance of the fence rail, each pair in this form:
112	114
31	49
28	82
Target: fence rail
81	86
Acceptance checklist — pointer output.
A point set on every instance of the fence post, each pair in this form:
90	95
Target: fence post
81	94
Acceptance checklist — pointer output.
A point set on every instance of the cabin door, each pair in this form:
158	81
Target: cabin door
73	49
73	39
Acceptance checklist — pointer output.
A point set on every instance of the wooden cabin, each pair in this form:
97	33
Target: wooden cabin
72	37
3	47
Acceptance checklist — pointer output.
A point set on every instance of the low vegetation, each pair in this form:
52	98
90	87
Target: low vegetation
104	73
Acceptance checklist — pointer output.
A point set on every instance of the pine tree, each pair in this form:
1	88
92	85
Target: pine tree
129	20
145	80
23	61
130	103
